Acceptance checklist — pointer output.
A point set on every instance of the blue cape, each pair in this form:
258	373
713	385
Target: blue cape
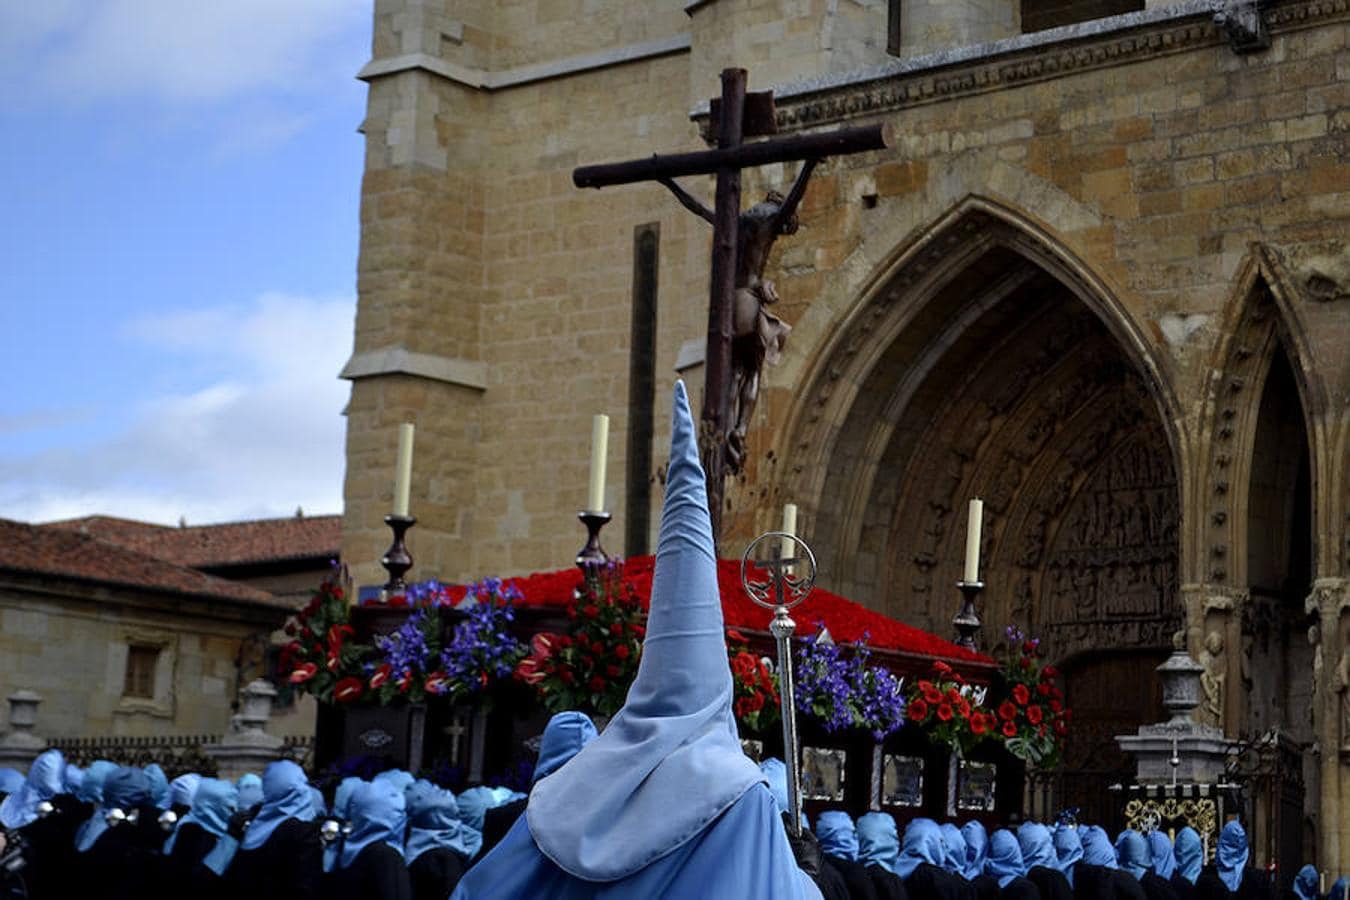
1005	858
1132	853
250	790
433	819
123	788
71	779
159	785
1164	861
954	847
473	806
664	803
1097	849
1232	855
213	803
1189	852
379	813
878	840
1038	847
774	771
1306	883
977	849
46	779
285	796
1068	850
564	736
10	780
399	778
834	831
342	799
923	844
1340	890
317	808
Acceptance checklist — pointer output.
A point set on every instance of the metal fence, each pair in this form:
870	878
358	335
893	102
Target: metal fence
176	754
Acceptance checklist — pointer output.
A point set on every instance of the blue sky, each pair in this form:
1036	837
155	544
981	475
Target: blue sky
179	190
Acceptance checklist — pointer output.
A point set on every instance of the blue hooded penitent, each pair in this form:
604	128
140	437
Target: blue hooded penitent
775	775
1005	858
1232	854
433	821
399	778
1164	862
923	844
213	803
954	847
90	789
564	736
1038	848
1097	849
473	806
71	779
379	814
183	789
45	780
1340	890
834	831
1132	853
10	780
250	790
664	802
1305	883
285	796
124	788
977	849
1190	854
159	785
878	840
1068	850
317	808
342	800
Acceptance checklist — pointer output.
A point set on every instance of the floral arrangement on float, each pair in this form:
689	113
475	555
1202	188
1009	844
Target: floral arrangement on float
754	685
591	666
1033	719
838	690
444	648
950	710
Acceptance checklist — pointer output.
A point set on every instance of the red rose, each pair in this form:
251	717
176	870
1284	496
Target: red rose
756	702
1021	694
304	673
918	710
944	712
1006	711
1040	731
1056	693
597	648
347	689
1029	647
597	684
381	676
590	611
926	686
616	628
941	667
613	671
977	725
1043	689
742	707
1009	730
1049	672
953	694
963	707
1026	662
1034	715
932	696
622	651
1056	706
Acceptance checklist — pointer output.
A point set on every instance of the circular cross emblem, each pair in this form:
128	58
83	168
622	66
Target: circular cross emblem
778	570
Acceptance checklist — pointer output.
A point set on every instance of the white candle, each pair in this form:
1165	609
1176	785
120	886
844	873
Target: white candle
595	497
403	469
974	521
786	548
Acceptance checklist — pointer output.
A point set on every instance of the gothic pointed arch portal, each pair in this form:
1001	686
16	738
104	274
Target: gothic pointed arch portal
995	370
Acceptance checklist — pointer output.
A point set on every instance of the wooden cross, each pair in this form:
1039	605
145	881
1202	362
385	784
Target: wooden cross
738	254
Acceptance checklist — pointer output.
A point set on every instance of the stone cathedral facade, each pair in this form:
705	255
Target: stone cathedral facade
1101	280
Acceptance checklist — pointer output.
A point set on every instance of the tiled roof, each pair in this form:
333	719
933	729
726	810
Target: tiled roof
70	554
226	544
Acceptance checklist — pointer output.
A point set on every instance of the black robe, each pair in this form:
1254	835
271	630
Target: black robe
928	882
51	848
286	867
377	873
125	863
1092	882
497	821
1020	889
887	884
1181	887
830	882
1156	888
1051	883
186	867
434	874
855	876
1255	886
1125	886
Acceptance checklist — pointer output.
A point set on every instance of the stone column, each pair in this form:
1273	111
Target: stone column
247	747
20	746
1330	603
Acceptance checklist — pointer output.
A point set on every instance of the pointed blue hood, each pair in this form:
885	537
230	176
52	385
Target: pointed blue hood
977	849
1068	850
10	780
1038	848
1164	860
1005	858
1231	857
250	790
183	789
46	779
1097	849
1306	883
342	797
285	796
1190	853
955	846
564	736
1132	853
670	761
923	844
379	815
878	840
213	802
159	785
433	821
834	831
1340	890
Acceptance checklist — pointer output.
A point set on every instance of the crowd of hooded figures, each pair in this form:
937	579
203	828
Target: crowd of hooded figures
663	804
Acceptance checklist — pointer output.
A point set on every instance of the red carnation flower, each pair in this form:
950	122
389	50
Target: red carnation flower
953	694
756	702
347	690
941	667
616	628
1043	689
742	707
304	673
926	686
932	696
1009	730
1056	706
1034	715
622	651
597	684
613	671
1006	711
977	724
918	710
1049	672
1021	694
963	707
597	648
944	712
590	611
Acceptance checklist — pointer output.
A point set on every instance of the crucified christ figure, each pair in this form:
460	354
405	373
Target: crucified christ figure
758	335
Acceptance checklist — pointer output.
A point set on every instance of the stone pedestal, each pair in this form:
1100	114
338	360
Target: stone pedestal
247	747
19	746
1180	750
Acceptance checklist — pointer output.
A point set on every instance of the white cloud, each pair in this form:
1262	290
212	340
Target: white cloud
176	51
262	441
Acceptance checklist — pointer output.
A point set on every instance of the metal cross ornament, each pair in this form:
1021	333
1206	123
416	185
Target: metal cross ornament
788	585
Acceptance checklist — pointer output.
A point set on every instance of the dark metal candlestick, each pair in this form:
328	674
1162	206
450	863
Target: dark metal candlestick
397	560
592	556
967	621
